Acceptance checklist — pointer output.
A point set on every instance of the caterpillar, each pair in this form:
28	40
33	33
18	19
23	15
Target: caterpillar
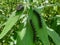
38	17
34	31
20	7
35	38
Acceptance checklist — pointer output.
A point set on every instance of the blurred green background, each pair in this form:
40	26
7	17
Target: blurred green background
50	10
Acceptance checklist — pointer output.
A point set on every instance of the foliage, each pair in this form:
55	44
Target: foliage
29	22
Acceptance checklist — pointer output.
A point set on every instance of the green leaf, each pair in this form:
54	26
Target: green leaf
25	36
55	37
9	24
41	32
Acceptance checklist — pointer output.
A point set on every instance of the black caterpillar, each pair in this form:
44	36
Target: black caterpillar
20	7
35	38
38	17
34	31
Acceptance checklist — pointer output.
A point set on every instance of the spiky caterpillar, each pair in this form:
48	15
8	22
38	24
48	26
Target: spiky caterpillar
34	31
35	38
38	17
